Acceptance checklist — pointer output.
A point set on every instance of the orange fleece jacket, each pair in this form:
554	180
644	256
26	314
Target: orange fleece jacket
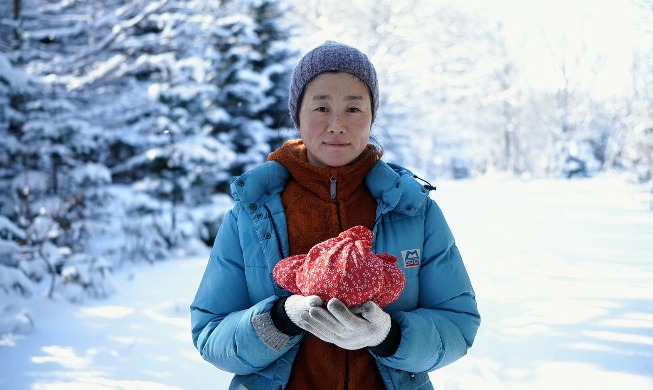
314	216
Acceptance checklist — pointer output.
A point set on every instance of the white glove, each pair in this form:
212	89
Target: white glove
297	307
366	325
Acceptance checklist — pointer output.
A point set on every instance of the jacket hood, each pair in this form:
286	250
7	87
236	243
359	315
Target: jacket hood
263	180
404	194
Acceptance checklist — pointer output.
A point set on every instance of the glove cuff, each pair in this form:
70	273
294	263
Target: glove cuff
389	346
281	320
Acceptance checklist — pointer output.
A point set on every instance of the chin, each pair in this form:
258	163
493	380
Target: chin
335	161
339	163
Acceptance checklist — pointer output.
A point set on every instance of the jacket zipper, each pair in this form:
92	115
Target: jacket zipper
346	370
333	190
339	217
333	182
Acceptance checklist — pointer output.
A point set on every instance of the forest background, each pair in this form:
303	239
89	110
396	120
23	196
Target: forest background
122	122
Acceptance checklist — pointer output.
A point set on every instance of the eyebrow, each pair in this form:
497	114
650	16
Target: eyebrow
328	97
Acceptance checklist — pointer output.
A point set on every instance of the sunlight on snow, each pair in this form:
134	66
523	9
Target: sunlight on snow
631	320
64	356
564	312
164	319
626	338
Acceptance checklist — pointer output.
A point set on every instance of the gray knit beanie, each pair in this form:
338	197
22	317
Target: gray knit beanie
331	57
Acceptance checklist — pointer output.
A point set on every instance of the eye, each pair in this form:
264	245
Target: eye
353	109
321	109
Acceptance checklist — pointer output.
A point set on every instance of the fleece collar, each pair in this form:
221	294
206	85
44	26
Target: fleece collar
327	183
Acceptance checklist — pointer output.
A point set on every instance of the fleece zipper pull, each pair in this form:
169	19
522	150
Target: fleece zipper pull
334	182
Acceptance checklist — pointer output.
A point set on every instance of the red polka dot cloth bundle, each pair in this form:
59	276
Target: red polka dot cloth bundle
343	267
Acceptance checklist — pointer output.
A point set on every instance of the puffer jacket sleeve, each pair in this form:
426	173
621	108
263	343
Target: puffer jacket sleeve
226	327
444	325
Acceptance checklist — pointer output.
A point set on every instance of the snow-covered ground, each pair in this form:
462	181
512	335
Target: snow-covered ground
563	271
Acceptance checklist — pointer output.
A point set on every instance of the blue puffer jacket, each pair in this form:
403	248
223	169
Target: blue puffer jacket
437	310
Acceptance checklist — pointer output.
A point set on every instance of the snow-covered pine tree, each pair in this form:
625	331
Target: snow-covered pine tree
15	88
140	114
54	189
216	106
252	66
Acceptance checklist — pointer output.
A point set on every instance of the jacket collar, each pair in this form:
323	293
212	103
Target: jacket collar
393	186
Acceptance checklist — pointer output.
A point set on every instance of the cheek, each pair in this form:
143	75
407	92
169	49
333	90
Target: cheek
311	125
362	123
364	129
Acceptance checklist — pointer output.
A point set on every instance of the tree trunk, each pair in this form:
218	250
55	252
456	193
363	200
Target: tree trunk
16	16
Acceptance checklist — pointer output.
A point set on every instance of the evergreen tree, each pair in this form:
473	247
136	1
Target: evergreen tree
53	187
121	131
15	88
252	68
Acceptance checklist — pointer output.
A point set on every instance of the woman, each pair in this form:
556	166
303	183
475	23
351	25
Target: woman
312	189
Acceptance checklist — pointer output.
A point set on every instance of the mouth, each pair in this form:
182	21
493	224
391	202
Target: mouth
335	143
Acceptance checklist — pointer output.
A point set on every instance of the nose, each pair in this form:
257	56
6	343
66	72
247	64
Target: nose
337	124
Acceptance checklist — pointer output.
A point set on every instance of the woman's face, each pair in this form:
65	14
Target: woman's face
335	118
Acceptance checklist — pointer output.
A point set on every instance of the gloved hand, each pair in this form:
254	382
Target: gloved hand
298	306
365	325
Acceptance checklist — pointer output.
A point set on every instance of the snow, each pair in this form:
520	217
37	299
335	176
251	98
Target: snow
9	230
562	271
90	173
17	78
139	338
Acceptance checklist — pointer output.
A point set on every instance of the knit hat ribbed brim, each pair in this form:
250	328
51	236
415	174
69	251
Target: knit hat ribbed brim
331	57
